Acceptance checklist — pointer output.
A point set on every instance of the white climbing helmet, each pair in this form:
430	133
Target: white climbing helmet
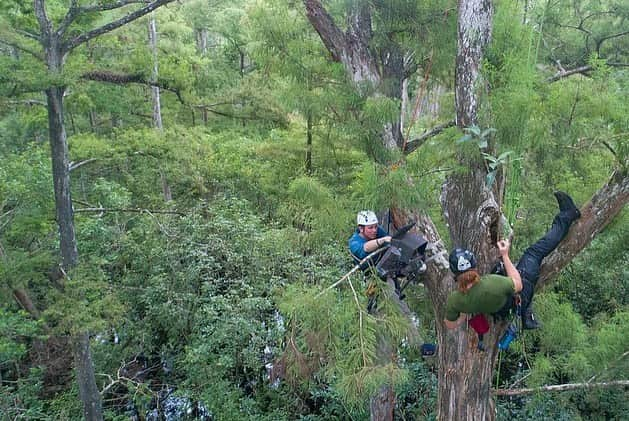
366	217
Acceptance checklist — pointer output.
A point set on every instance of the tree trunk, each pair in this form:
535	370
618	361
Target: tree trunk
309	144
382	404
465	373
88	392
168	196
404	106
474	33
472	213
157	109
23	299
202	36
61	177
473	216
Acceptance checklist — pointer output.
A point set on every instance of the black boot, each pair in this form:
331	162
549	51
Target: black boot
529	322
567	206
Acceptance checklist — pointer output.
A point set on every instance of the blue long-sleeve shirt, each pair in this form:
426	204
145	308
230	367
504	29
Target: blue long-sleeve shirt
357	242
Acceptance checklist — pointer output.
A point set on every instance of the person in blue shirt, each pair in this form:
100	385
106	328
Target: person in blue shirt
368	237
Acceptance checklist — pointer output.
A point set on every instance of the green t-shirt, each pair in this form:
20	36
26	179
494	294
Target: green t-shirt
487	296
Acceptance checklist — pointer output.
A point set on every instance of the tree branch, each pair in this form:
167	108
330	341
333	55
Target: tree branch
74	166
136	210
28	102
416	143
27	50
328	31
595	216
111	77
559	388
75	11
42	18
27	34
124	78
580	70
354	269
602	40
565	73
78	40
240	117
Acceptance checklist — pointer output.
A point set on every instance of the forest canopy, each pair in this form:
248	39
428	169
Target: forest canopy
179	181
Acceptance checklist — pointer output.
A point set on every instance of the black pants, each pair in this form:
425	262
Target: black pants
531	260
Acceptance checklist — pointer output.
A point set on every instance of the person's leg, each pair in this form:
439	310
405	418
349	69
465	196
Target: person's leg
529	264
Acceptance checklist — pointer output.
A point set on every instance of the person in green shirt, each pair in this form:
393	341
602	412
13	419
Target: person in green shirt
479	294
493	293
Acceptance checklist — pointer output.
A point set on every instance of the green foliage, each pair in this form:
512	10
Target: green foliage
330	336
312	209
21	400
379	187
540	406
479	136
13	328
417	397
570	352
563	328
591	290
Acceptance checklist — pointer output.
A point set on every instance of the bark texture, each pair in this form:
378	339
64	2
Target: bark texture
382	404
474	33
88	392
61	177
157	106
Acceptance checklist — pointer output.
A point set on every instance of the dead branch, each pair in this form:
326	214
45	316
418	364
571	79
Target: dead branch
27	102
584	70
136	210
559	388
74	166
416	143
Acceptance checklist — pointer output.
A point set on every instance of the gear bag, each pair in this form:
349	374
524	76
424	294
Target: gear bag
481	326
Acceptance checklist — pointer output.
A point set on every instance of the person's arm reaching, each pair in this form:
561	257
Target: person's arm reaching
512	272
373	245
